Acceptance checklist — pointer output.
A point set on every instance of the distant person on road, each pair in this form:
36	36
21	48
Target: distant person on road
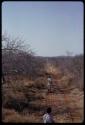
49	83
48	118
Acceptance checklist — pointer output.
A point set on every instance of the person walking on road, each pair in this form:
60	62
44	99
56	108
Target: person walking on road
48	118
49	83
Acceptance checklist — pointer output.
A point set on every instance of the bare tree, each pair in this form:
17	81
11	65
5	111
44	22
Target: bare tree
15	44
18	58
14	50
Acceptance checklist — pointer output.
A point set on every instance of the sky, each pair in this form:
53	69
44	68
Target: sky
51	28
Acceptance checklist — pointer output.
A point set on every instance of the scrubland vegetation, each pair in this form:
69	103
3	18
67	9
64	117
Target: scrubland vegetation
24	93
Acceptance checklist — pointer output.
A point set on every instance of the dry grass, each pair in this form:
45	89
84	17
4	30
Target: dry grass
25	101
14	117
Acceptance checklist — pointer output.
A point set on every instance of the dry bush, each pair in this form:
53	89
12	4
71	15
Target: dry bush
17	96
14	100
33	96
40	83
38	105
65	82
14	117
7	112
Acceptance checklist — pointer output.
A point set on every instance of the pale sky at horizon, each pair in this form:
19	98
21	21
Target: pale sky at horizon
51	28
